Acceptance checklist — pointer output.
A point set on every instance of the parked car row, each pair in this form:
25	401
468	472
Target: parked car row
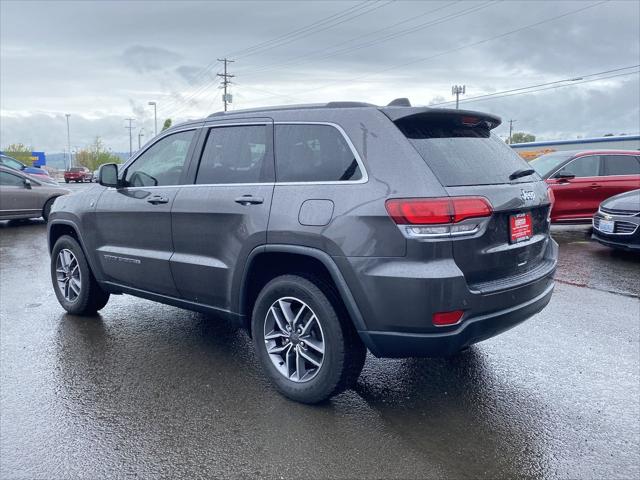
582	180
25	196
78	174
35	172
616	224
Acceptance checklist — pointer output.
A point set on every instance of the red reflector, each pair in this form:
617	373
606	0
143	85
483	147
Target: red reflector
470	121
429	211
447	318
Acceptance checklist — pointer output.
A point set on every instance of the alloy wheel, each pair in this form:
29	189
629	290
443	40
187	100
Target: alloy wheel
294	339
68	275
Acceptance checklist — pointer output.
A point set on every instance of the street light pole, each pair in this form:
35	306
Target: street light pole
140	135
68	140
155	118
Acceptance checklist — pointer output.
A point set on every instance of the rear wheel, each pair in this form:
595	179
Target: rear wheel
305	344
74	284
66	180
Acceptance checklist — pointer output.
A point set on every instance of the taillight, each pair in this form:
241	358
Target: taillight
552	196
433	211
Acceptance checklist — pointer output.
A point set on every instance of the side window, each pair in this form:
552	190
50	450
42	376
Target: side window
313	153
10	180
236	155
621	165
161	164
583	166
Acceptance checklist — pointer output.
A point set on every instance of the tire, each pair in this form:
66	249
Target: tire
46	210
90	297
343	354
66	180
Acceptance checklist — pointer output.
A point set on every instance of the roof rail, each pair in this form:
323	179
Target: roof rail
296	107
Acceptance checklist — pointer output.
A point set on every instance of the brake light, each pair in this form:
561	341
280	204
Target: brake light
442	319
431	211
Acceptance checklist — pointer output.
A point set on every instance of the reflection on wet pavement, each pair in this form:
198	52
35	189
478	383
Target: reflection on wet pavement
153	391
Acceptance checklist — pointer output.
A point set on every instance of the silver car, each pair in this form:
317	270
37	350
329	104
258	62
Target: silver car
23	196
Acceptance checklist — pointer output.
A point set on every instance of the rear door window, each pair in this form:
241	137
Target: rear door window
621	165
463	155
314	153
236	154
588	166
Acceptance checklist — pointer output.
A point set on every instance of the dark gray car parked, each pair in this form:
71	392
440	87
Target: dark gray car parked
325	230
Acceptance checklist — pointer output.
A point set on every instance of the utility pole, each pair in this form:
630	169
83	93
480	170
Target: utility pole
155	118
226	97
457	90
130	127
140	135
69	165
511	122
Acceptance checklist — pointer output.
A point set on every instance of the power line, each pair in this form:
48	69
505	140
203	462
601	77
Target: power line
326	23
468	45
572	79
322	21
553	87
390	36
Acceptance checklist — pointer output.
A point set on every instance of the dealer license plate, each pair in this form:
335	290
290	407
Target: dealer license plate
520	227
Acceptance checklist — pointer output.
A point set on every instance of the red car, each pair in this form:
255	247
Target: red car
581	180
78	174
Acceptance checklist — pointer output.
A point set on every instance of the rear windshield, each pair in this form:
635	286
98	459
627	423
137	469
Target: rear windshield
76	169
463	155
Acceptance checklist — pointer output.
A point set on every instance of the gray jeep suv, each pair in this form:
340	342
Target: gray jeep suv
325	230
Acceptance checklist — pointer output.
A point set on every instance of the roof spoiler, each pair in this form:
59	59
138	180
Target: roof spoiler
415	113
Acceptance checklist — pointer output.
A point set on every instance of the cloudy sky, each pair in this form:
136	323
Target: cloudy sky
104	61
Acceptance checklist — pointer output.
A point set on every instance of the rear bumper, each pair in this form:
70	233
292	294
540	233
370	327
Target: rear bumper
398	297
472	330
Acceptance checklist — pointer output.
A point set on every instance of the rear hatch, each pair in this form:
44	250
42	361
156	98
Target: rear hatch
468	160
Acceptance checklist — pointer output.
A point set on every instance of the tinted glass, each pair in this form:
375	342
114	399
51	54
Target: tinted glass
9	180
236	155
10	162
463	155
161	164
313	153
549	163
583	167
621	165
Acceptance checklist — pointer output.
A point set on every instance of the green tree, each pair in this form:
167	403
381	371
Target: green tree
95	155
20	152
522	137
166	124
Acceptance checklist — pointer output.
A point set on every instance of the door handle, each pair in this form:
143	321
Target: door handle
249	200
157	199
595	186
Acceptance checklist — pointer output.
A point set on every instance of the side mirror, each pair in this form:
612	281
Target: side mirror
108	175
27	184
564	175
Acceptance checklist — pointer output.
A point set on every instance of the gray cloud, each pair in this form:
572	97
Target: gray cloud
165	48
143	59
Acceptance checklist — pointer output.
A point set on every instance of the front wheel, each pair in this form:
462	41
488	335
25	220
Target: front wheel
46	210
74	284
304	341
66	180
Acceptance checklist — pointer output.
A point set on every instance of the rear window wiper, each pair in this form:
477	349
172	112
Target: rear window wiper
523	172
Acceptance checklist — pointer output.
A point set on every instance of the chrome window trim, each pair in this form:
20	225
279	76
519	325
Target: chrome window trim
363	170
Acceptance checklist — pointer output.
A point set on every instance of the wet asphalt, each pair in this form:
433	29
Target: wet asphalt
153	391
